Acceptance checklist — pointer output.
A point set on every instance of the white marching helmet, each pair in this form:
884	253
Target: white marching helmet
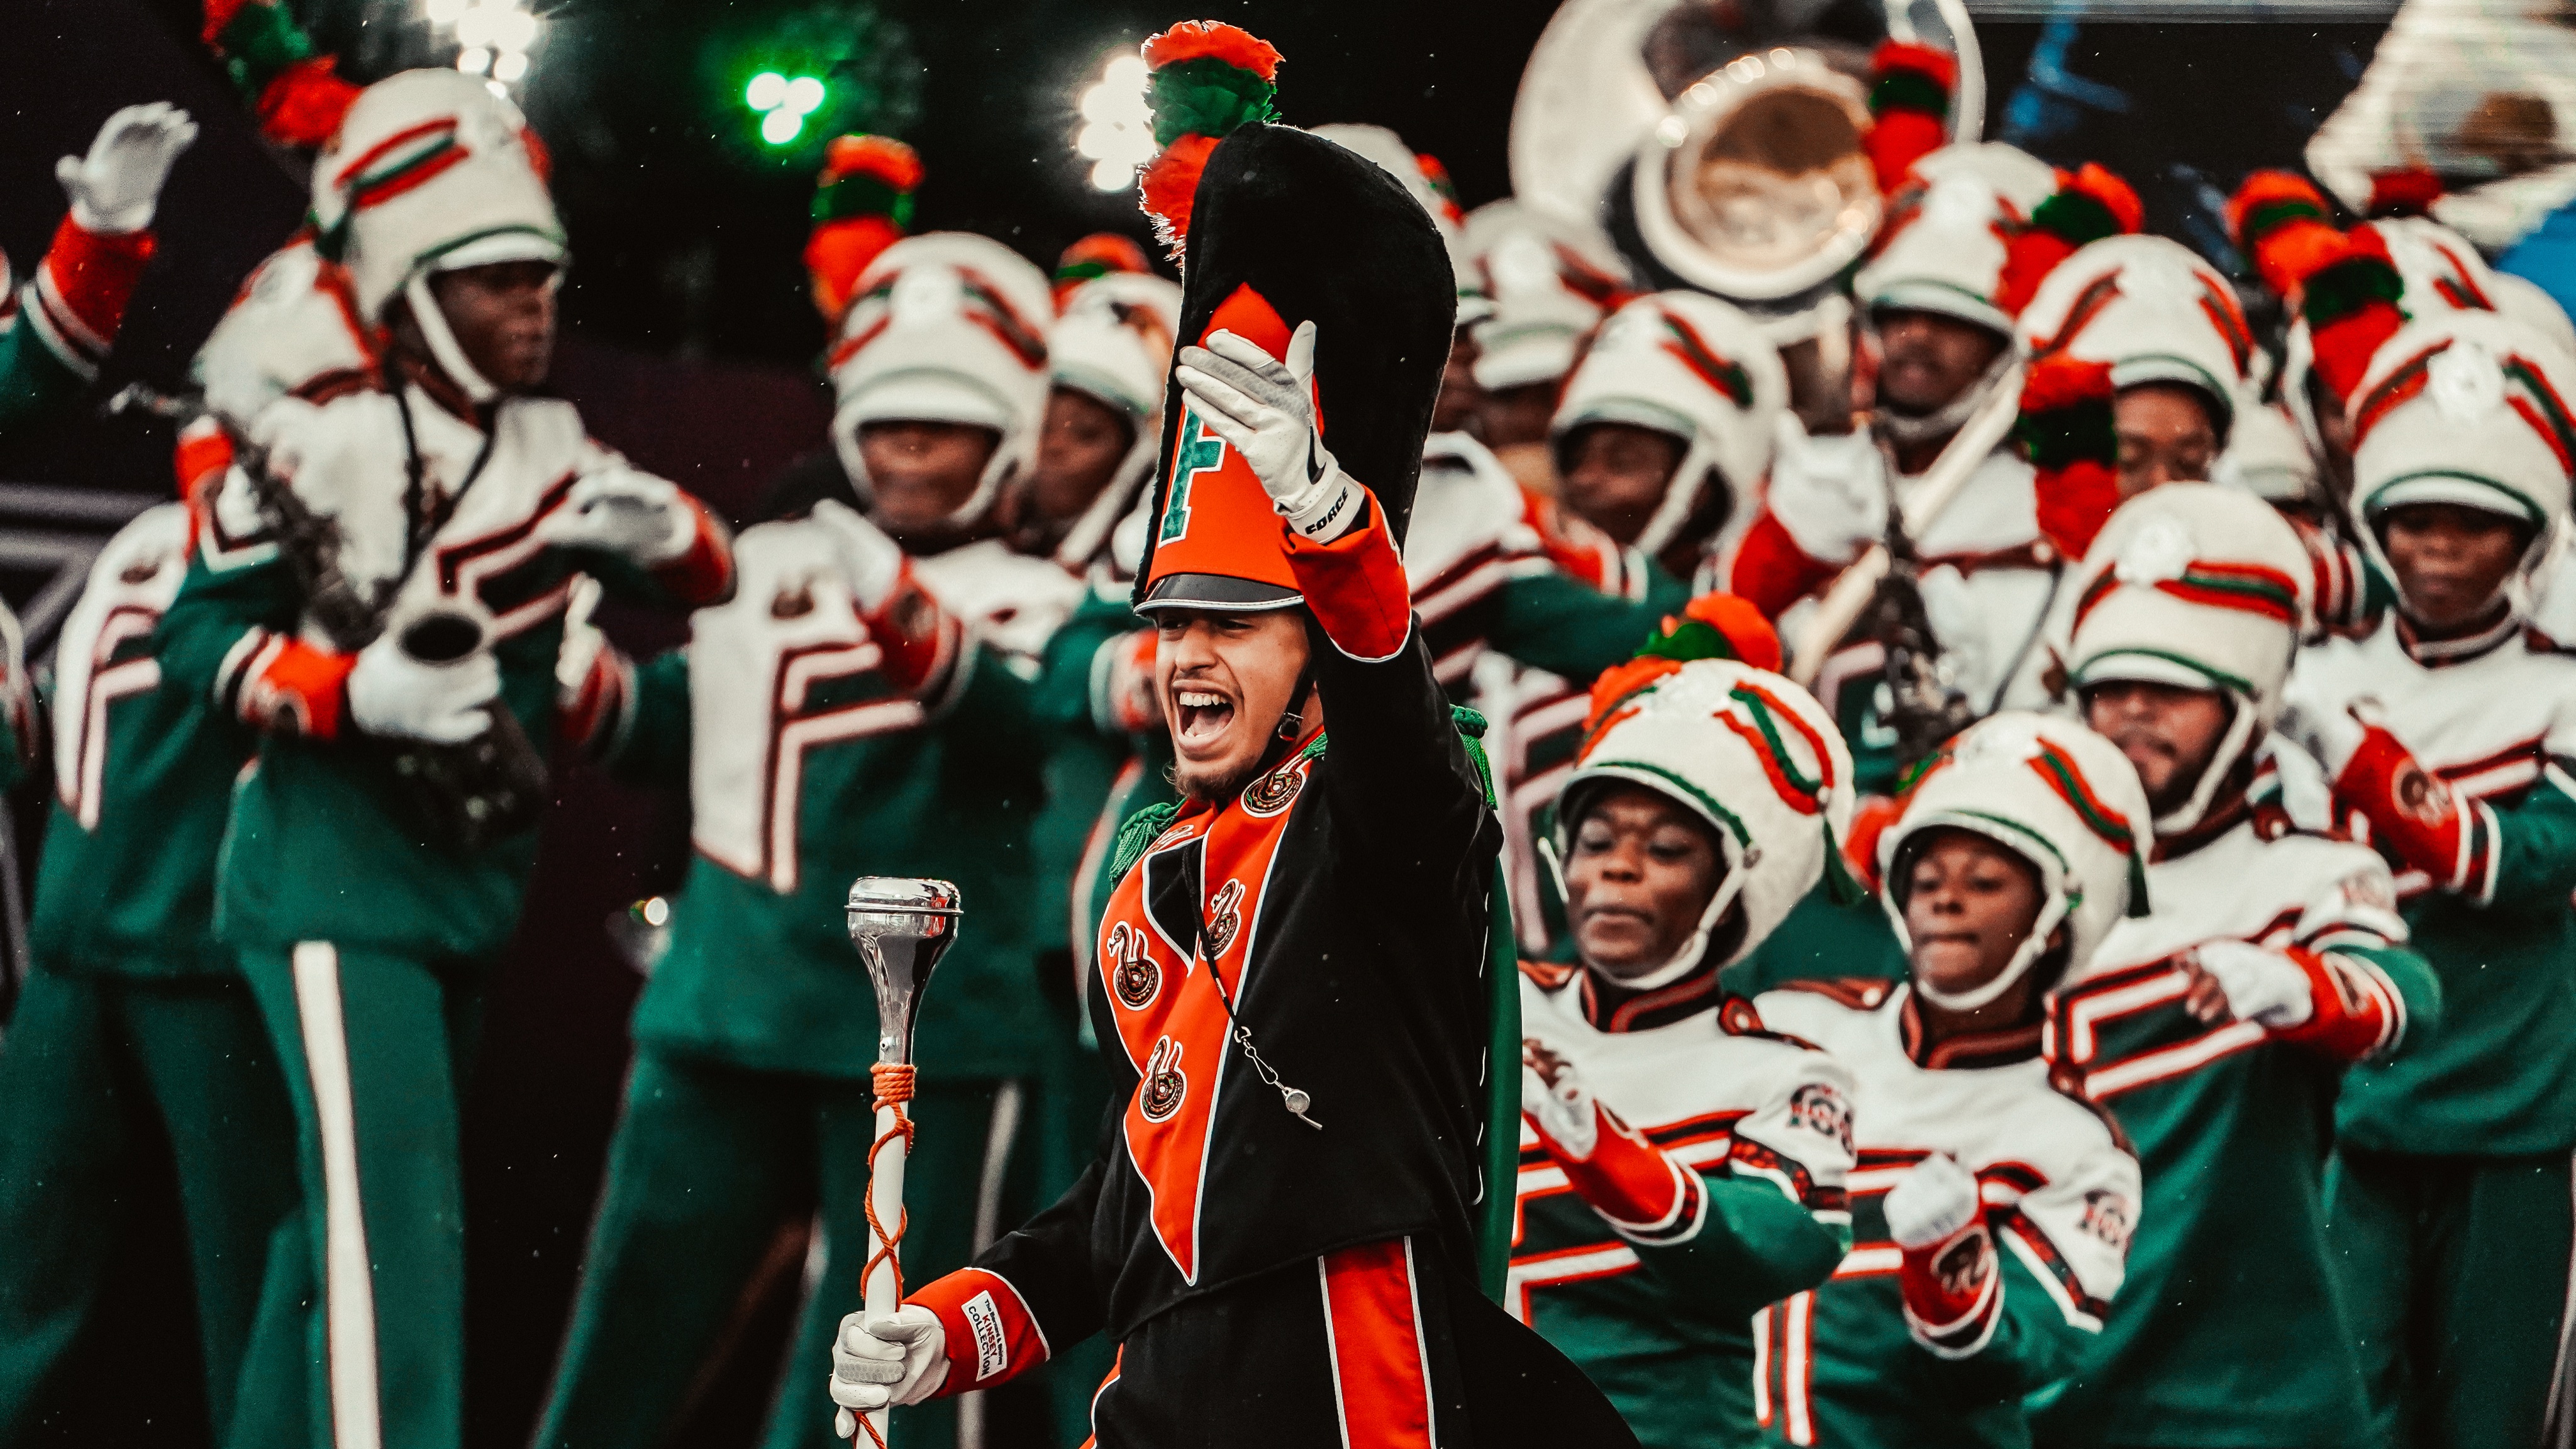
2153	311
2440	272
2267	456
1114	344
2057	795
431	172
2468	408
2199	586
1754	757
1400	161
1551	281
1943	251
1692	367
948	328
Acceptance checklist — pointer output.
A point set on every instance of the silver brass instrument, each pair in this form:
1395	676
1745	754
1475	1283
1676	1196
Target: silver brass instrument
1740	131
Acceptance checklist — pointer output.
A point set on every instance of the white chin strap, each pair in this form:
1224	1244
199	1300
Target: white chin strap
988	488
1951	416
443	348
1687	959
2231	748
1117	497
1696	473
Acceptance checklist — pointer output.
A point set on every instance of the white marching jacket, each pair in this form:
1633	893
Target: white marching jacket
130	587
2317	892
1769	1108
1469	535
344	457
2060	1188
287	326
2489	725
792	628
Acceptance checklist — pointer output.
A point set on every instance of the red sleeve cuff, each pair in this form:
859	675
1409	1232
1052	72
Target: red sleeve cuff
992	1336
704	573
199	459
1633	1184
1355	585
2356	1014
86	281
921	640
288	686
1770	571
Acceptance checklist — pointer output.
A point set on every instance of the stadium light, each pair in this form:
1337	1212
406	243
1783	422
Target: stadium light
784	102
493	37
1117	134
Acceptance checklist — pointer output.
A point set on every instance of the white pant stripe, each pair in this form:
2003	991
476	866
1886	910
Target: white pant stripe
1333	1352
348	1292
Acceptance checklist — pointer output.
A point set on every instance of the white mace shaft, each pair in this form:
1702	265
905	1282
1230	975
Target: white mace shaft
881	1290
881	1293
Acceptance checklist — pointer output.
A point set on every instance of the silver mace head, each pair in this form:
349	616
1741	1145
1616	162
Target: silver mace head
902	926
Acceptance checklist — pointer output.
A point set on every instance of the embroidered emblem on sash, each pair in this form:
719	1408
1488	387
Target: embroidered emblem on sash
1164	1087
1133	974
1228	919
1275	791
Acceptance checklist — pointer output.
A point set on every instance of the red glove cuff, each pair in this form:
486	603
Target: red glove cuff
2357	1015
992	1336
921	640
1640	1189
1953	1291
289	687
1770	571
590	718
2413	813
704	573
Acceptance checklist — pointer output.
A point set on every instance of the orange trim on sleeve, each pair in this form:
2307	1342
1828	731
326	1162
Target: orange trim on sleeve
1355	585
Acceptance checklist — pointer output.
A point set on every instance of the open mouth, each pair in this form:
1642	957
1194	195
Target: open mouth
1201	716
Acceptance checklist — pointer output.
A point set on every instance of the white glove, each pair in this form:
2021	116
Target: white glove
2331	736
394	694
2262	986
630	514
1829	491
870	561
890	1358
1934	1199
1563	1109
1264	408
114	188
582	641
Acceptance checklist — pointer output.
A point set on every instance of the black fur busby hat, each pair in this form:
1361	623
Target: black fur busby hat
1274	227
